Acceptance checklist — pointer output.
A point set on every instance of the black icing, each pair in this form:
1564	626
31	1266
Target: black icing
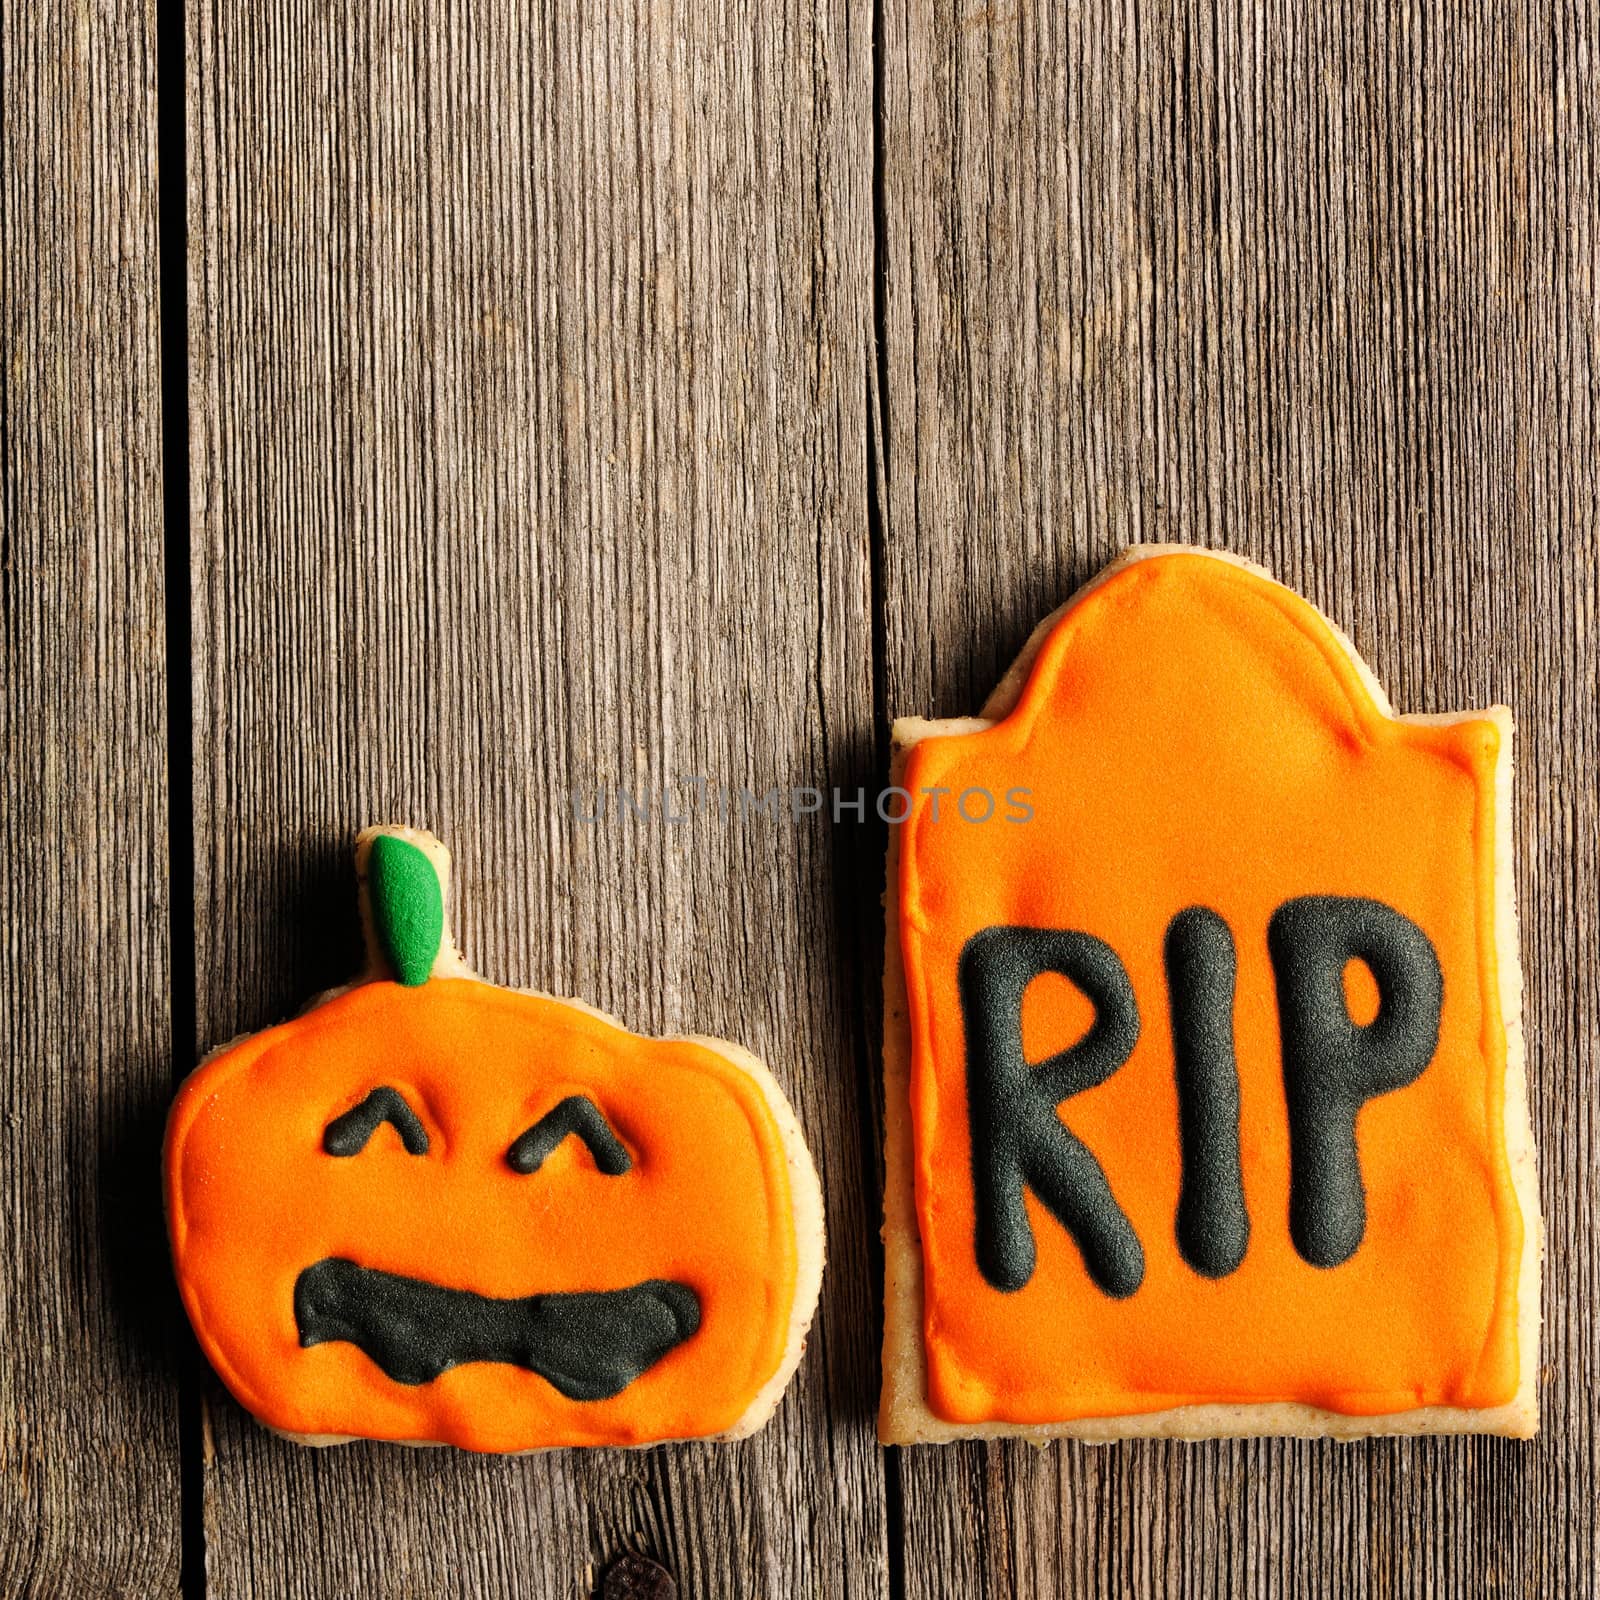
588	1345
348	1135
1332	1065
1018	1139
1213	1227
576	1114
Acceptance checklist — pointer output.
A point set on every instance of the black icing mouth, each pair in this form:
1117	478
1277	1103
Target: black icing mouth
589	1345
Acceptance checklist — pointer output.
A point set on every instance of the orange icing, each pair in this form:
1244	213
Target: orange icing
253	1199
1193	734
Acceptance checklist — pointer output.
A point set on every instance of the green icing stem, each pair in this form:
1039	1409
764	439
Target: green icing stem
407	907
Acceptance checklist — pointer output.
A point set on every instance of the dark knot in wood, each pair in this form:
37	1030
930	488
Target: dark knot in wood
636	1577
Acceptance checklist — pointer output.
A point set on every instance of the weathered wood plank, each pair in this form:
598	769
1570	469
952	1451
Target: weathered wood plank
88	1408
530	350
1316	284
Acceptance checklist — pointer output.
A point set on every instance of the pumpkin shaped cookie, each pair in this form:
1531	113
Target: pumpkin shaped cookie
433	1209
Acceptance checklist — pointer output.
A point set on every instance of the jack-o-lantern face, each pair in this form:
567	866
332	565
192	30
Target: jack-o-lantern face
444	1210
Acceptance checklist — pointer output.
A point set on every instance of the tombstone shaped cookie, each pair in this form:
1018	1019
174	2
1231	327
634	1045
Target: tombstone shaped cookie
1205	1108
434	1209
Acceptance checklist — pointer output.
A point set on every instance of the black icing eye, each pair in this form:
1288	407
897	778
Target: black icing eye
348	1135
576	1114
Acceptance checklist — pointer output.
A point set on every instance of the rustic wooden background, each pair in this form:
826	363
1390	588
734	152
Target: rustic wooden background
420	411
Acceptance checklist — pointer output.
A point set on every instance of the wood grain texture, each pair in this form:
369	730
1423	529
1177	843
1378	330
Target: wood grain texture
88	1417
1317	285
529	352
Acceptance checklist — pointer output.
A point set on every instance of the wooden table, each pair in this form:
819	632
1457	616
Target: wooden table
425	411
